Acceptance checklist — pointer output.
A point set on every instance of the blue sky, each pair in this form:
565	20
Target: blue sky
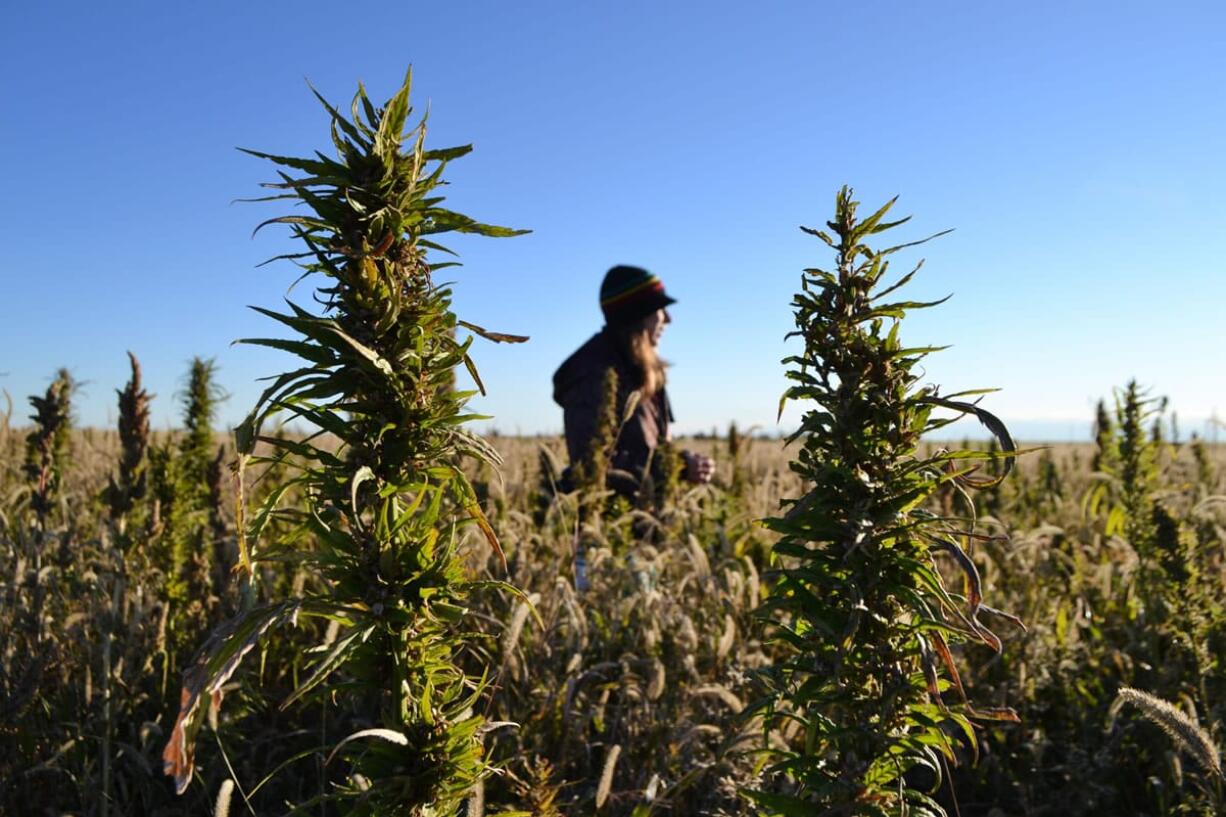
1077	150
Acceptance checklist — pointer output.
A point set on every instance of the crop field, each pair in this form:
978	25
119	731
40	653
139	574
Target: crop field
355	604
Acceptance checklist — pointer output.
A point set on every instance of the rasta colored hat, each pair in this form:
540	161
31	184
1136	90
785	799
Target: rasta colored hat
628	294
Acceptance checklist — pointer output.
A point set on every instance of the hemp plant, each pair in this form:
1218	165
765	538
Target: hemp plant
862	613
1138	462
385	498
184	549
1104	439
128	486
197	448
49	443
591	473
48	452
1124	487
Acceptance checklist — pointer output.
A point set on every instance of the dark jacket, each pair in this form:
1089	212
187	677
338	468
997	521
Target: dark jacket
578	387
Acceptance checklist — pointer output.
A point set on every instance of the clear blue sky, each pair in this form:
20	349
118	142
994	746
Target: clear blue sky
1077	149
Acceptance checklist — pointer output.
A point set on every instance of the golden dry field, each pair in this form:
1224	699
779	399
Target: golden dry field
632	693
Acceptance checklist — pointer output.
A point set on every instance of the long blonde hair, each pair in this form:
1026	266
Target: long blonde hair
634	342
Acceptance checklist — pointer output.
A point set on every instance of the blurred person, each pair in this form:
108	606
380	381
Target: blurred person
635	308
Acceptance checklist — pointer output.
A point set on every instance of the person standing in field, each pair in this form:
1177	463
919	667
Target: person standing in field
635	308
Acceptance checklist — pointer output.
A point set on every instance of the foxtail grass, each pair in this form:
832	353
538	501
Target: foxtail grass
1189	736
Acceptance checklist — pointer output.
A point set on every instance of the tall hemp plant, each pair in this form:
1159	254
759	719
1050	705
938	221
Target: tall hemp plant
861	606
184	550
386	499
1127	471
127	487
197	448
49	444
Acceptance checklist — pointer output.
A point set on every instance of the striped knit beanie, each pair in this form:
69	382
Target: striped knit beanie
629	294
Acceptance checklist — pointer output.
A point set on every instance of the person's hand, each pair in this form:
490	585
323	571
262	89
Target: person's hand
699	468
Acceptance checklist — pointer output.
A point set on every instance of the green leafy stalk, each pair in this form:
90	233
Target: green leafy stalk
200	402
130	484
1137	468
738	445
666	473
1127	470
592	472
1104	439
48	450
1206	473
184	548
387	500
860	609
48	445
